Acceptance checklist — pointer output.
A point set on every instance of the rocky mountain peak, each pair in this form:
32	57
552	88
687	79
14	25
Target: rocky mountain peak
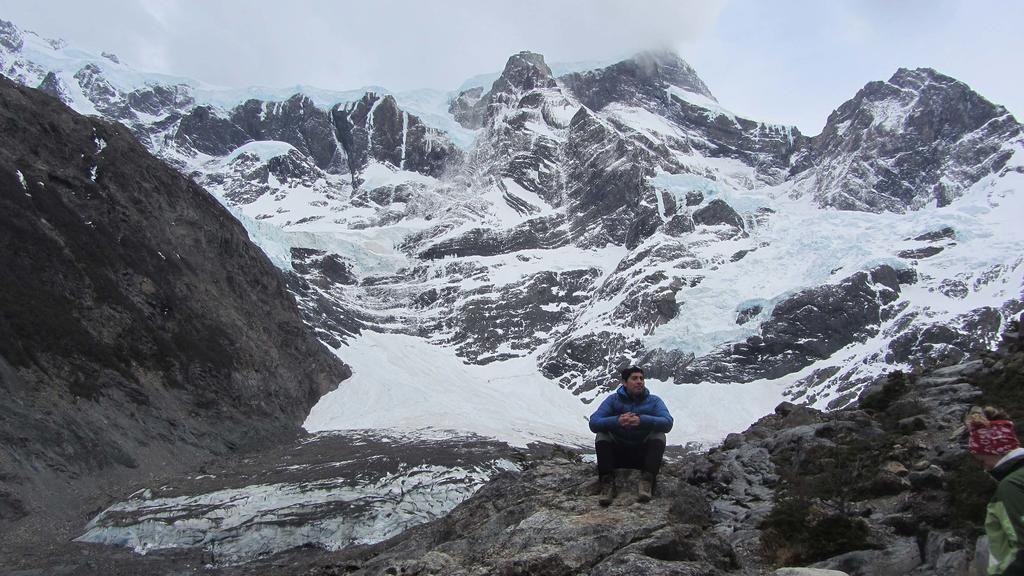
910	96
10	36
917	78
665	66
523	72
935	134
644	78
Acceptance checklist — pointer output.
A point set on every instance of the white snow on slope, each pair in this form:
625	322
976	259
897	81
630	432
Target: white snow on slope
705	413
803	246
403	382
431	106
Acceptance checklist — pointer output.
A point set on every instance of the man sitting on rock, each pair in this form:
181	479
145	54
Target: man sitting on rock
630	426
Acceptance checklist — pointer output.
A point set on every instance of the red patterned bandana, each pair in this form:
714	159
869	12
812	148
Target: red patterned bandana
997	438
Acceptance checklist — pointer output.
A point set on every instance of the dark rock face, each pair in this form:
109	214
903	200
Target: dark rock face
332	268
802	329
10	36
572	360
463	108
646	76
54	87
919	139
925	252
945	233
128	327
718	212
647	81
745	315
522	116
524	73
247	176
678	225
376	128
608	191
296	121
161	99
202	130
938	345
102	94
517	318
530	235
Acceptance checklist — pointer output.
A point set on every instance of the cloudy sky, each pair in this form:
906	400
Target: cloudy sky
785	61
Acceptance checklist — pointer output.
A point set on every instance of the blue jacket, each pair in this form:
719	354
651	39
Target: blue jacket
654	416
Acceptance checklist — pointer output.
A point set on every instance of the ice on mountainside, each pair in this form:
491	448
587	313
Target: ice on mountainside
570	222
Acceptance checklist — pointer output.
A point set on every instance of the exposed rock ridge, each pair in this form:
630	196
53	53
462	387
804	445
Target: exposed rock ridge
646	75
374	127
919	139
128	343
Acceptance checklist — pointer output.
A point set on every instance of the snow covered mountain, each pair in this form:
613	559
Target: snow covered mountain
485	261
531	236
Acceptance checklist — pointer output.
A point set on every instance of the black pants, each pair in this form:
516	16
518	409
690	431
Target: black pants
646	456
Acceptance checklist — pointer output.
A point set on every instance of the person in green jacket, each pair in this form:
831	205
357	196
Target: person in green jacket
994	442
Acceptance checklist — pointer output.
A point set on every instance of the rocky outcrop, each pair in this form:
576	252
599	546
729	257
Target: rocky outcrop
664	84
524	72
128	344
464	109
203	130
718	212
103	95
608	195
10	36
534	234
804	328
53	86
523	117
161	99
545	520
645	76
296	121
375	128
919	139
